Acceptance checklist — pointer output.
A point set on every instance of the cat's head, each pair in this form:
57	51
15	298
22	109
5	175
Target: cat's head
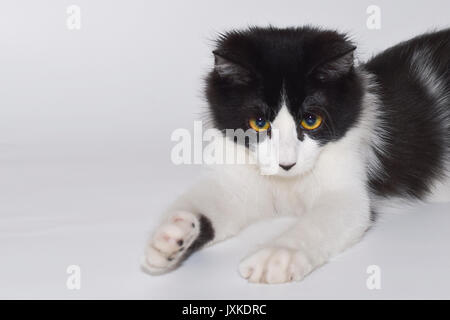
298	82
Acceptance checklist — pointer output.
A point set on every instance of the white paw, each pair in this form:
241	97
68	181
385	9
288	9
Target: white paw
170	241
275	265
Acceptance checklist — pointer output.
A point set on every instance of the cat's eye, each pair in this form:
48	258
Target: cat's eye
259	124
311	121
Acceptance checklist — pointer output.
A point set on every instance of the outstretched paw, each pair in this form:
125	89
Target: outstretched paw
170	242
275	265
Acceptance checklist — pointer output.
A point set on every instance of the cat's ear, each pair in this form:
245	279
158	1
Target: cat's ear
338	64
230	70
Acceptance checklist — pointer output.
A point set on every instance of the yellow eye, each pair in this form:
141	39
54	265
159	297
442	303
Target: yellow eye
259	124
311	121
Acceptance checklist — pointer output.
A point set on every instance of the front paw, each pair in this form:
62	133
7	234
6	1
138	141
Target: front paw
275	265
170	241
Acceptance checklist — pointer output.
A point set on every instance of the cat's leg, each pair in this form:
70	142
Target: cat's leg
216	208
337	221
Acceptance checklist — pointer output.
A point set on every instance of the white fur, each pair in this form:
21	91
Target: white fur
286	127
376	135
288	148
165	243
325	190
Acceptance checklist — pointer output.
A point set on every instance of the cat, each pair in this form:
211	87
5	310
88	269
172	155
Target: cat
349	136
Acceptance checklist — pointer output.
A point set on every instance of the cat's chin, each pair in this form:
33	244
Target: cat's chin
283	174
287	175
293	173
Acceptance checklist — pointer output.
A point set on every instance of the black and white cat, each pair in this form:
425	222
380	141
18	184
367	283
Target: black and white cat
348	137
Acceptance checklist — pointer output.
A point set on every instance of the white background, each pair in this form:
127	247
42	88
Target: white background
85	171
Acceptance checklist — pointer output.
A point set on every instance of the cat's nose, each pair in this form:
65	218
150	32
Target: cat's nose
287	166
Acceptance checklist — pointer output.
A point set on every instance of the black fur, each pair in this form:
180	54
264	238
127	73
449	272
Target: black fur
417	148
313	68
205	235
